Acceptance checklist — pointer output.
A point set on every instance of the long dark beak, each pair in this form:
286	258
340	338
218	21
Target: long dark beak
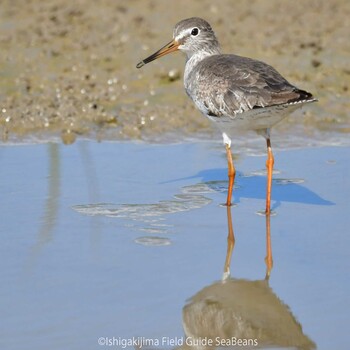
168	48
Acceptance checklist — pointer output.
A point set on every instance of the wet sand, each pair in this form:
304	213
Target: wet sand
69	69
92	248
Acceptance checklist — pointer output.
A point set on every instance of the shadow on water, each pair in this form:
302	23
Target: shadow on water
253	185
149	217
243	310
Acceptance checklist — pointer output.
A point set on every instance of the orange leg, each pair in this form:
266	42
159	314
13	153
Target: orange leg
268	258
269	166
231	175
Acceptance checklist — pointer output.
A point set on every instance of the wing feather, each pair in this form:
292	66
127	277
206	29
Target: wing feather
230	84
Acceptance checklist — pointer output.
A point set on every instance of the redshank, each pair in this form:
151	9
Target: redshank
237	93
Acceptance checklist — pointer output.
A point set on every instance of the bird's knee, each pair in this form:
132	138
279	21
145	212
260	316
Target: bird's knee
226	139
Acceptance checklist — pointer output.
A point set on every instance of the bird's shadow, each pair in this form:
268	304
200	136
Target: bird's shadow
253	185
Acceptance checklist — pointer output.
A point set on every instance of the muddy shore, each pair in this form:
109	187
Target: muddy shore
69	69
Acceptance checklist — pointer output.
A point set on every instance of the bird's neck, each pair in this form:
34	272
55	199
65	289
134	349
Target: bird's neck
199	55
192	59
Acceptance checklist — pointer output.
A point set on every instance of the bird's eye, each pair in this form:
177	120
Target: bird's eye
195	31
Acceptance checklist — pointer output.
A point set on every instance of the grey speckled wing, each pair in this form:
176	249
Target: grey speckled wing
225	85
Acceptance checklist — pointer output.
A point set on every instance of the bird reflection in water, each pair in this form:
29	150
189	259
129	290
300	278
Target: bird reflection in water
238	312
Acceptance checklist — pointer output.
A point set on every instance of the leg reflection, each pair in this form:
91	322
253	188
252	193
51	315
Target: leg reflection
230	244
268	258
243	309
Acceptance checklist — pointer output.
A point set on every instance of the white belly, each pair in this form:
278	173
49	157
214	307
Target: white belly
255	119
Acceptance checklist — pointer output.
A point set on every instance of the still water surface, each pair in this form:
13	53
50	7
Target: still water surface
129	240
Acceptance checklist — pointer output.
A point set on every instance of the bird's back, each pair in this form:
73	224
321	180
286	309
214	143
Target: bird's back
230	87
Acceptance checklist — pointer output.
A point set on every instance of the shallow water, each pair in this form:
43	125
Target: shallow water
129	240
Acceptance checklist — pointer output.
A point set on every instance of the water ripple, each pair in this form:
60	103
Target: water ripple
152	214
